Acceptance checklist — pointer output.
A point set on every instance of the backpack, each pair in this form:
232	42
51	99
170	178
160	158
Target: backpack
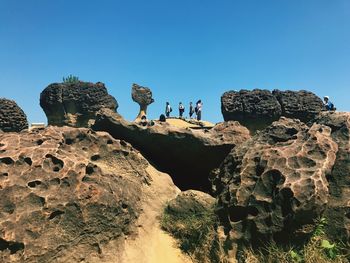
171	109
331	106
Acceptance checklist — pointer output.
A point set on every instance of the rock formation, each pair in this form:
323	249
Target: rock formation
75	195
187	155
257	109
338	208
75	104
12	117
142	96
303	105
276	183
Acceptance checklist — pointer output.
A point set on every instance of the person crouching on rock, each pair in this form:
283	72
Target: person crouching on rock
168	109
328	105
181	110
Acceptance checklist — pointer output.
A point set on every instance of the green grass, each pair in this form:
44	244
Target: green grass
195	232
319	249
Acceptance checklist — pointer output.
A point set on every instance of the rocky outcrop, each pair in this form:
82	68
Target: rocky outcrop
276	183
187	155
257	109
12	117
142	96
75	104
303	105
74	195
338	208
190	202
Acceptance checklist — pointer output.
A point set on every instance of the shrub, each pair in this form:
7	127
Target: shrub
70	79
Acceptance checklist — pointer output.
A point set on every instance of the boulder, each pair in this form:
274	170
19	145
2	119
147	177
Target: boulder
273	185
253	109
142	96
75	195
257	109
75	104
303	105
12	117
338	208
187	155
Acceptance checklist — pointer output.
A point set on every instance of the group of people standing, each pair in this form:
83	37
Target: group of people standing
192	110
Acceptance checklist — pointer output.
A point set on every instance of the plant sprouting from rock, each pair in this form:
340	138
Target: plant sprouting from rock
70	79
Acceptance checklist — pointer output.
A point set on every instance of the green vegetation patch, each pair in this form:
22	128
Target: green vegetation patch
195	231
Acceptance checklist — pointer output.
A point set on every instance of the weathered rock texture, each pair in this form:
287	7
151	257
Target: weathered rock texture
75	104
74	195
12	117
338	208
142	96
257	109
187	155
276	183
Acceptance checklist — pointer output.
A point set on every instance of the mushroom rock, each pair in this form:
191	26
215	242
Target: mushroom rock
187	155
257	109
75	195
275	183
338	208
142	96
75	104
12	117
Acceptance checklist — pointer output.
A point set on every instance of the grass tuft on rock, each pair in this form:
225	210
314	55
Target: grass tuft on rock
195	231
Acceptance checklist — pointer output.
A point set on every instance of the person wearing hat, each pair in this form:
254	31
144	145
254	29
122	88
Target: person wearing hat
328	104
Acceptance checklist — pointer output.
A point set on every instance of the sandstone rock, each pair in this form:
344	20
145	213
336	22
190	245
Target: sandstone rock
276	182
74	195
303	105
190	202
75	104
257	109
187	155
12	117
338	208
252	109
142	96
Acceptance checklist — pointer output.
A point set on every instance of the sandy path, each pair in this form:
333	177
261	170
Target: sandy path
152	245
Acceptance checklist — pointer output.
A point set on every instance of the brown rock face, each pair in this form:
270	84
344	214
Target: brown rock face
338	208
74	195
75	104
276	182
257	109
142	96
12	117
187	155
303	105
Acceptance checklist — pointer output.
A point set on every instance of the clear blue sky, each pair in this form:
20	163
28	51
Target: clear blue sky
182	49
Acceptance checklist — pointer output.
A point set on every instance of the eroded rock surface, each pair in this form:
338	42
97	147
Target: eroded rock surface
338	208
75	104
257	109
12	117
75	195
142	96
303	105
275	183
187	155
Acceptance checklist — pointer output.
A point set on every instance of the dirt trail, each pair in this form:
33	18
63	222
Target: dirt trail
152	245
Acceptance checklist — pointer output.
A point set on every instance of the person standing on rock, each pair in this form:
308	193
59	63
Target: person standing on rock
181	110
199	106
191	110
168	109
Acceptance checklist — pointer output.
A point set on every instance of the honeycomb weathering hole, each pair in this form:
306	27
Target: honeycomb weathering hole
6	160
